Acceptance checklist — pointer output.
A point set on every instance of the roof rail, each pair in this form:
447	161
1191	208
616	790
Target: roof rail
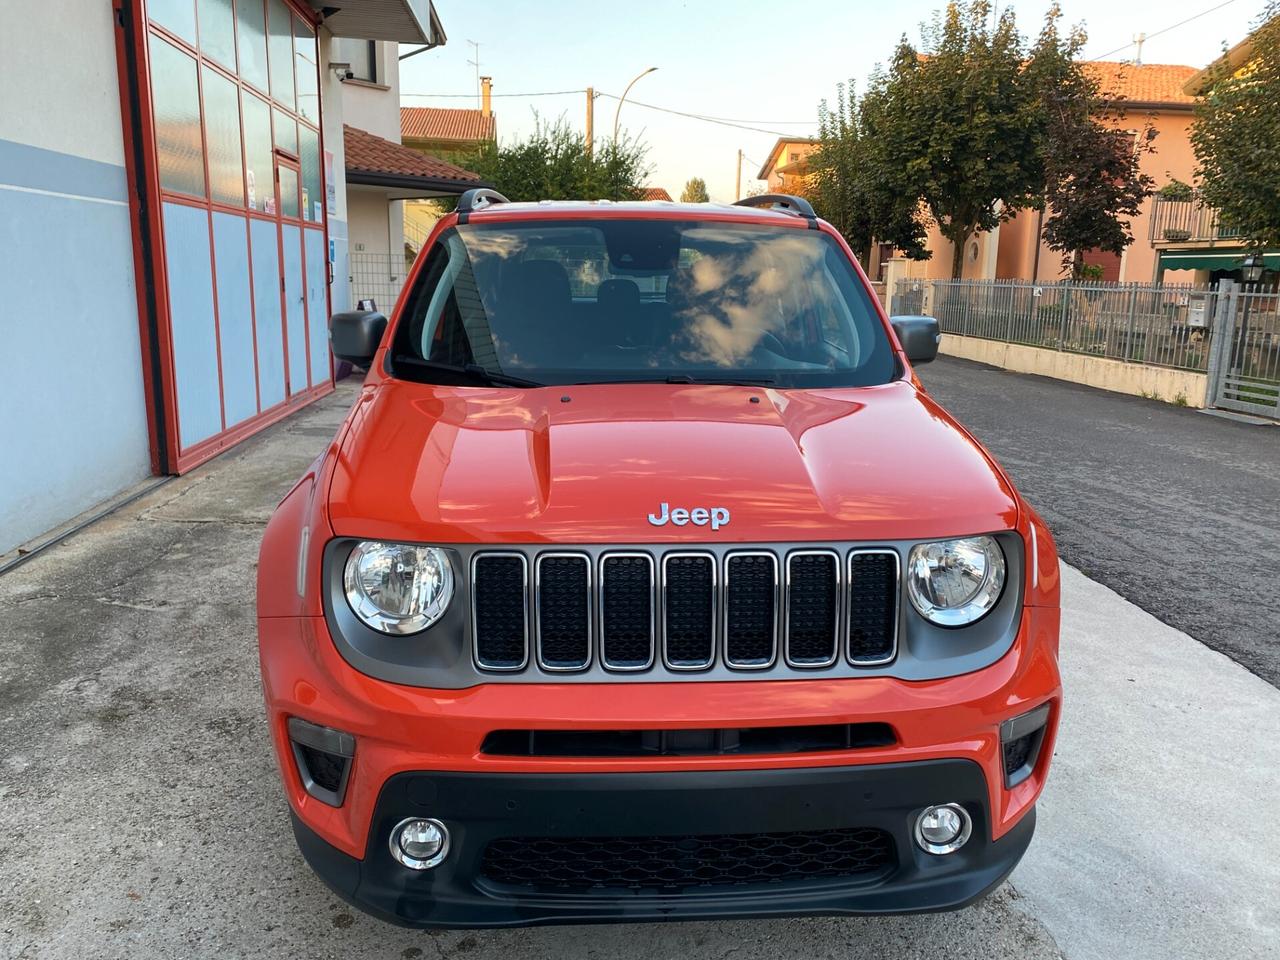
477	199
782	201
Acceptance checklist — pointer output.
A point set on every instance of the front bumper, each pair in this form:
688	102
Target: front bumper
479	808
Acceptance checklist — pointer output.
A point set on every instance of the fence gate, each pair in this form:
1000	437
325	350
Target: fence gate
1244	361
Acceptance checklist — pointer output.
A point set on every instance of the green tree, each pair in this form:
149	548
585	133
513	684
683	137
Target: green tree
1093	181
695	191
855	184
959	116
1235	137
553	163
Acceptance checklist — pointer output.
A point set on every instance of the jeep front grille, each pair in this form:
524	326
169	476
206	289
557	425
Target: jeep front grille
684	610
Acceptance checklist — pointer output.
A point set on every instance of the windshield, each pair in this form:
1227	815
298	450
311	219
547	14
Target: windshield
559	302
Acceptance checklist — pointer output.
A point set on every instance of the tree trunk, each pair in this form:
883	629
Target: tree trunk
1077	265
957	254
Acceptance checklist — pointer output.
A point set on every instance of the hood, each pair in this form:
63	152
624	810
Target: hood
590	464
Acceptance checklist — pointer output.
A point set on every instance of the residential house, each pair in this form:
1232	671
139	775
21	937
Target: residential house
654	193
1185	234
785	168
1015	249
451	134
173	170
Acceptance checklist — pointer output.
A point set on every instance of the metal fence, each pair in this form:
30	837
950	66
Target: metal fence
377	277
1162	325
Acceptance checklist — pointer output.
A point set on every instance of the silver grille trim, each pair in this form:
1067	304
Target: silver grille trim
603	580
475	631
537	610
840	604
897	607
688	666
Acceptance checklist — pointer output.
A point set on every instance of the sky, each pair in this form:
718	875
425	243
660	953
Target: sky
762	65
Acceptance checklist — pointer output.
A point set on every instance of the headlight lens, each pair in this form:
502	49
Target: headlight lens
954	583
398	588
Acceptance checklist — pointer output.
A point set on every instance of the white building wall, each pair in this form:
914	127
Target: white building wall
73	425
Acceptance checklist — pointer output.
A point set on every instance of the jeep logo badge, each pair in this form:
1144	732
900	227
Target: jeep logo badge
698	516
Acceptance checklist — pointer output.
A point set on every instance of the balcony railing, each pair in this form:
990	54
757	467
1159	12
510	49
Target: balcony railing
1187	221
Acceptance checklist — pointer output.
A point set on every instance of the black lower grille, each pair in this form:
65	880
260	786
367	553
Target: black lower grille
813	606
325	769
564	612
626	611
873	606
672	863
688	598
750	608
807	738
498	598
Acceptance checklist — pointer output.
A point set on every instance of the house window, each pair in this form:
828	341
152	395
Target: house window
363	57
794	157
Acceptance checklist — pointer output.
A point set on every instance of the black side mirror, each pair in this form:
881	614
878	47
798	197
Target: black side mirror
355	336
919	337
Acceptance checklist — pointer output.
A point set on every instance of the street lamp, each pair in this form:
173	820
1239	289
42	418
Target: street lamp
1252	267
617	113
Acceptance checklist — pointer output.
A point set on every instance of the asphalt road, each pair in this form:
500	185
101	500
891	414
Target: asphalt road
1173	509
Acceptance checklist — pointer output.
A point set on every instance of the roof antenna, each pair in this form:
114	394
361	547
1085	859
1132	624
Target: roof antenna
476	63
1139	39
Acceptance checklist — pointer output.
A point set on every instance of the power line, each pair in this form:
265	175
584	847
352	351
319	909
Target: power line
1150	36
706	119
460	96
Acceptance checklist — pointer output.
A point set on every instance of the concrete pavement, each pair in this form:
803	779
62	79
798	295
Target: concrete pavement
140	813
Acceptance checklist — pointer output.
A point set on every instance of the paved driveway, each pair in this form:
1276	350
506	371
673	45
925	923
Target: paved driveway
140	813
1176	510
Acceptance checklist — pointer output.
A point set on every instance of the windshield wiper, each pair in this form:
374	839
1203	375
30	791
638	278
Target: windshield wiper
472	370
688	378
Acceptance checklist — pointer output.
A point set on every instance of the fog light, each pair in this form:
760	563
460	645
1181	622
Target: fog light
943	828
420	844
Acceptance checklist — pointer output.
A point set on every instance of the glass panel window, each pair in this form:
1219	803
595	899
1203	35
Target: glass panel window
286	132
362	55
288	191
222	133
312	195
280	47
251	31
218	32
304	46
257	153
176	95
176	16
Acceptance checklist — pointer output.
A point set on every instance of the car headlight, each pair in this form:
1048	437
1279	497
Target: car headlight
398	588
954	583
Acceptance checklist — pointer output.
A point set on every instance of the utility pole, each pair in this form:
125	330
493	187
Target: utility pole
591	118
476	63
737	183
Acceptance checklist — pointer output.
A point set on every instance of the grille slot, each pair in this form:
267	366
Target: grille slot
654	864
750	609
689	610
873	607
564	611
626	611
499	611
813	608
687	743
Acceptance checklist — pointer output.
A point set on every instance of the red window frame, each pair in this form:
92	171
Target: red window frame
133	31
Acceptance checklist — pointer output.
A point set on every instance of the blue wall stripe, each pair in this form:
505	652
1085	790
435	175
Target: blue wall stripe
195	347
294	316
317	307
38	169
235	323
266	304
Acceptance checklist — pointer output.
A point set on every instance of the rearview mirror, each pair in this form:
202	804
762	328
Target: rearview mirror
919	337
355	336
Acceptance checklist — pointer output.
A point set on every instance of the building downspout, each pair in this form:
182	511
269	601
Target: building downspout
1035	259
